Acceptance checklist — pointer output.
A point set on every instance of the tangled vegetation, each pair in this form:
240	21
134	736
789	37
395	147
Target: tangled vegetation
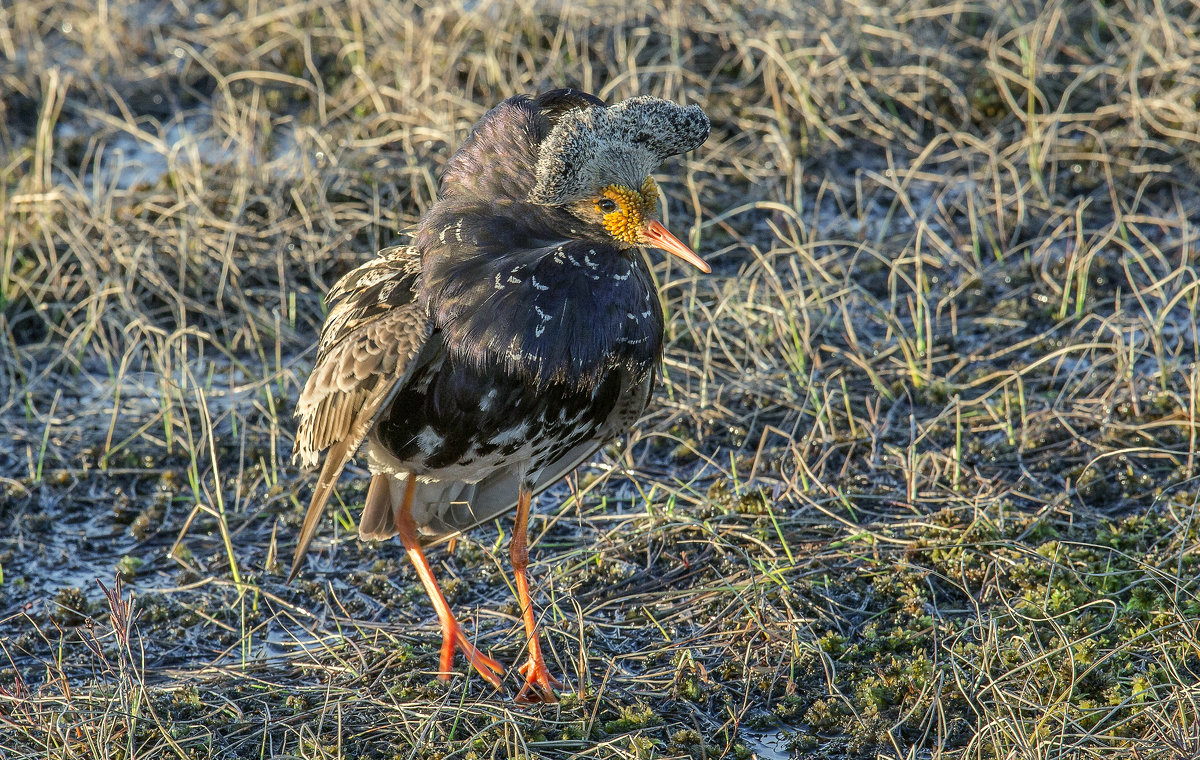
919	482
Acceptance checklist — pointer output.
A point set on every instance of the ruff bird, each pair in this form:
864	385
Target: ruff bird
518	332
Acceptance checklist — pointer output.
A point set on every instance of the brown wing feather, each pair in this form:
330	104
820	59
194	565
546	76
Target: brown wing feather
369	346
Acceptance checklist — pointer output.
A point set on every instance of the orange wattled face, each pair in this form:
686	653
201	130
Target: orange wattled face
624	212
629	217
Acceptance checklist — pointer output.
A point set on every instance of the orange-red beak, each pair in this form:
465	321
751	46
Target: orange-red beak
653	233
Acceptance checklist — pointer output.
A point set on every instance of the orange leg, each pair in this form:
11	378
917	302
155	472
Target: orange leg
537	678
452	632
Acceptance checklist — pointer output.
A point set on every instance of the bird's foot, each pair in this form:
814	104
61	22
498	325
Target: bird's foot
539	684
453	638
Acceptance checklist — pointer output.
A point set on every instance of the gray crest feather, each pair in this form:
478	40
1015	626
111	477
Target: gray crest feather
592	147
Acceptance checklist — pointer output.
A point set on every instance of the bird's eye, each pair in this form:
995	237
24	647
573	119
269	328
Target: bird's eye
607	205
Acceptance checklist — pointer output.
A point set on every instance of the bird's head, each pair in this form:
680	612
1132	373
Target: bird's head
596	162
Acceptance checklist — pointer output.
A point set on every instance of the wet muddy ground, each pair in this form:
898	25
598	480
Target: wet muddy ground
919	480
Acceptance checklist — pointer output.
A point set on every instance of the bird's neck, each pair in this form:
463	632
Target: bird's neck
517	294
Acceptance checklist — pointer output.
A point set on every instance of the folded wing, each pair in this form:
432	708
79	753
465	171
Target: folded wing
376	334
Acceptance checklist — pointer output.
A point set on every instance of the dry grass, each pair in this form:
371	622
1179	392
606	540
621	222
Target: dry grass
920	482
